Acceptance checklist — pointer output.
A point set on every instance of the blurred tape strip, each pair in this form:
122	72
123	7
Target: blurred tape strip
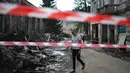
20	10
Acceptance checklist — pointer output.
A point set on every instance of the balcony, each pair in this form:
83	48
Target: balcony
108	9
123	7
11	1
115	8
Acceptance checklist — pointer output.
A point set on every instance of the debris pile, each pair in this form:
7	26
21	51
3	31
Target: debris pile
30	59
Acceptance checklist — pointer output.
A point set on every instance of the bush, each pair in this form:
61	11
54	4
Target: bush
65	35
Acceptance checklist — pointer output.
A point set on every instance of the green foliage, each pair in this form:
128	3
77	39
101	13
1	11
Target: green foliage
49	3
46	3
65	35
52	26
82	5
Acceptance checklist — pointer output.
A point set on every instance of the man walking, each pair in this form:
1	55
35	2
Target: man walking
76	52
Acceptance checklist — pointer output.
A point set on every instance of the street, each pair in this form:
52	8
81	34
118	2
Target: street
97	62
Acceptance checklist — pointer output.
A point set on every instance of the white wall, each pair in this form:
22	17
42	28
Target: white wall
106	2
116	2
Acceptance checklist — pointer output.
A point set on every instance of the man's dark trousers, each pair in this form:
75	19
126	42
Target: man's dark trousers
76	53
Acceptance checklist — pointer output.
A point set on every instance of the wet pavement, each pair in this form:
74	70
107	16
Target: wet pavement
97	62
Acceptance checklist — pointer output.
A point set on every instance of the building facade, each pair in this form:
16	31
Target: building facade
29	25
109	33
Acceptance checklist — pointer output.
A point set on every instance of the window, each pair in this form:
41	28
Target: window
1	21
122	29
111	1
120	1
106	2
17	1
33	24
38	25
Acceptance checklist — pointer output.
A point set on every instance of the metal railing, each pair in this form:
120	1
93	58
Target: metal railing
123	5
108	9
115	8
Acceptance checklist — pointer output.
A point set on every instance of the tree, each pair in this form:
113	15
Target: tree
65	35
46	3
52	26
82	5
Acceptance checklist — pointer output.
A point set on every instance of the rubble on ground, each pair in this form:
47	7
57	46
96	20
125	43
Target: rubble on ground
26	59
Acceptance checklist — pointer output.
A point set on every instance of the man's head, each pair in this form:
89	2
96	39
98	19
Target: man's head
74	32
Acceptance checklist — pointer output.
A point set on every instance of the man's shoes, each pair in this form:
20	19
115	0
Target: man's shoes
72	72
83	66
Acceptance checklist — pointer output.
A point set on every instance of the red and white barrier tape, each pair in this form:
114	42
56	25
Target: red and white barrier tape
13	9
62	44
19	10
